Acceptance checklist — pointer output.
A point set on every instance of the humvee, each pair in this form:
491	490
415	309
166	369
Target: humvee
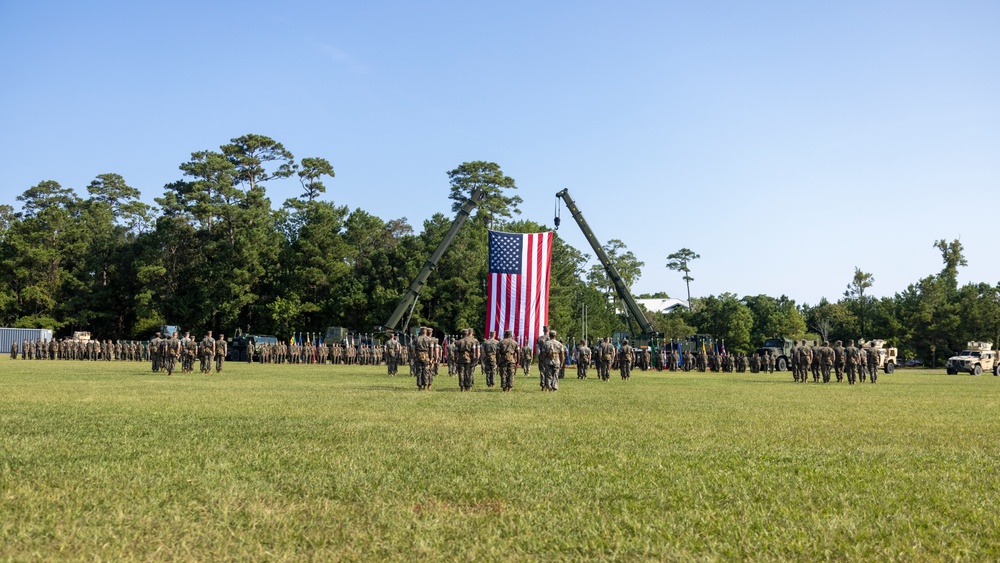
975	359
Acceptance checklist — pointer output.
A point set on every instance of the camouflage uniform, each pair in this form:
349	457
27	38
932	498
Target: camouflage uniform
583	356
626	357
838	360
606	355
466	349
851	361
207	353
873	364
507	360
555	356
827	358
490	348
543	366
172	351
220	352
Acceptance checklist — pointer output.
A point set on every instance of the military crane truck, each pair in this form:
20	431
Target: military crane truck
408	301
634	315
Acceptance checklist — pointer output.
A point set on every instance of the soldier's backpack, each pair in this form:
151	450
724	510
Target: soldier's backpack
606	352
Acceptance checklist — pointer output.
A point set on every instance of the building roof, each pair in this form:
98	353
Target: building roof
662	305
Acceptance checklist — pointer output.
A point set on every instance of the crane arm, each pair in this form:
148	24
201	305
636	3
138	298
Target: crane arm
418	283
620	288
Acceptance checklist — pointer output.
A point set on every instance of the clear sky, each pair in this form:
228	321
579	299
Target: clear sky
786	142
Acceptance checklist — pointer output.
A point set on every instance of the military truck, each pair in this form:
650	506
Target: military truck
975	359
81	336
239	343
888	358
780	349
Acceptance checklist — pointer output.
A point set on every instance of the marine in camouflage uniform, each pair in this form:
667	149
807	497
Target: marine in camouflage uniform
490	349
805	360
465	349
220	352
626	357
422	359
583	357
507	360
555	356
873	363
851	362
605	355
392	355
827	358
838	360
526	357
862	363
208	352
543	360
154	345
172	351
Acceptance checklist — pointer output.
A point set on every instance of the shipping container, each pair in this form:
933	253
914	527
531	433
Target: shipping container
19	335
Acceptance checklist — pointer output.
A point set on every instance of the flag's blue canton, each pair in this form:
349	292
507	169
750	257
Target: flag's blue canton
505	253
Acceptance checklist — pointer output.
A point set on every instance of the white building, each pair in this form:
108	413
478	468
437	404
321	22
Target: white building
664	306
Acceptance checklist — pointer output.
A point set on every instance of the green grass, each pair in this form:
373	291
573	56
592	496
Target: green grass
106	461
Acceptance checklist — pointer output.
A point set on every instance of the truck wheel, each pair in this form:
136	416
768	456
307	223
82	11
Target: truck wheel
890	367
978	370
952	371
996	370
780	365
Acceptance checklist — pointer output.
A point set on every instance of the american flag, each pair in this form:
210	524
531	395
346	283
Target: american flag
517	286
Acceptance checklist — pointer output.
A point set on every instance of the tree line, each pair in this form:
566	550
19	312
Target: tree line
215	253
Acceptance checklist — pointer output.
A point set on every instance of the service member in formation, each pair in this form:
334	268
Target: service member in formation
626	357
583	357
816	360
851	362
827	357
465	349
507	360
190	353
873	363
421	359
543	360
490	348
605	359
392	355
526	357
220	352
862	362
172	352
838	360
154	356
207	353
805	360
555	354
13	350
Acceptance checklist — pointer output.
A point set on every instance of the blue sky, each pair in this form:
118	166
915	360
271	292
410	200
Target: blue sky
786	142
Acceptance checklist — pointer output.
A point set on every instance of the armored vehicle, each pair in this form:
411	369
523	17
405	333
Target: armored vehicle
975	359
887	357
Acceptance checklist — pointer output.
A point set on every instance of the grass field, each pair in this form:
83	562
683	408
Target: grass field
109	462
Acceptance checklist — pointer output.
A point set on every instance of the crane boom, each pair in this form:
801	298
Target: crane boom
410	297
620	288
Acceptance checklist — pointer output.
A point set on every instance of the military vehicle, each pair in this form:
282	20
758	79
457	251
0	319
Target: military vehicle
975	359
887	357
239	343
780	349
81	335
167	330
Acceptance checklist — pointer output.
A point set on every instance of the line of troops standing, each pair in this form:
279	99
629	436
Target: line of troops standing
822	360
309	353
165	352
92	350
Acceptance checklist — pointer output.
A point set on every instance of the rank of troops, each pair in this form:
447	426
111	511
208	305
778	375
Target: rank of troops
91	350
166	351
315	353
